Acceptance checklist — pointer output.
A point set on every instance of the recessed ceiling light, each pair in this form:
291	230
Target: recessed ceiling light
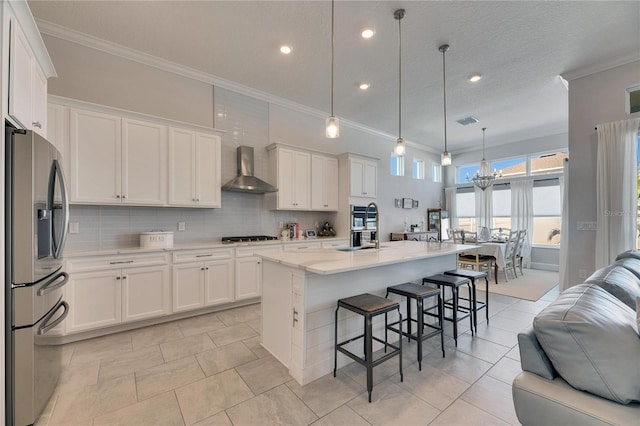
364	86
475	77
368	33
285	49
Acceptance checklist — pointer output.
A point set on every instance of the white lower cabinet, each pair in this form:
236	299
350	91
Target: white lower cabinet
196	285
248	277
95	300
146	293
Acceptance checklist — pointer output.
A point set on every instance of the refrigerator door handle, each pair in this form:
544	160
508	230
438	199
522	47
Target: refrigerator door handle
51	285
56	172
45	327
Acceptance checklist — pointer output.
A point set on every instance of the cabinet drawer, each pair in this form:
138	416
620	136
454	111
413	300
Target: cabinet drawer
335	244
302	246
256	250
202	255
102	263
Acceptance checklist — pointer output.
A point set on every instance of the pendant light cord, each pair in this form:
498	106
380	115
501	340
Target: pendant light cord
483	129
399	14
444	90
332	42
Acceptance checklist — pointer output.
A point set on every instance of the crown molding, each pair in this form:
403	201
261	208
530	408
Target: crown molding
604	66
115	49
23	14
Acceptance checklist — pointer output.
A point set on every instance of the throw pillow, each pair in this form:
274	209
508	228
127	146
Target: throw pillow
591	340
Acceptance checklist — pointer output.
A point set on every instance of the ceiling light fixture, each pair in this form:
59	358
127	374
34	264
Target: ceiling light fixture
364	86
445	159
475	77
484	178
400	149
332	129
367	33
285	49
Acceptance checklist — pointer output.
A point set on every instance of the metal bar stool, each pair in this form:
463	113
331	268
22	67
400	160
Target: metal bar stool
369	306
477	304
419	293
454	283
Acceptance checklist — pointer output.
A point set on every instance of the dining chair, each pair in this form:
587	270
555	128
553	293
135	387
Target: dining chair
500	233
509	255
457	236
474	260
470	237
518	254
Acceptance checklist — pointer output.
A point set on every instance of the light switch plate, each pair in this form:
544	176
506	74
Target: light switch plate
181	226
74	228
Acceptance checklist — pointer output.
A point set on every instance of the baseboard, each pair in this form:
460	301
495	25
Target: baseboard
545	266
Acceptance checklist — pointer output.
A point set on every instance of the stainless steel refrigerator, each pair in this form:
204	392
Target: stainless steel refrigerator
36	220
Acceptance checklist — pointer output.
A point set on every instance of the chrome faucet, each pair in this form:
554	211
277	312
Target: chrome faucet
366	222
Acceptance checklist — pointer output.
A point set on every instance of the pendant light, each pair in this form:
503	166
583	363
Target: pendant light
400	148
332	130
445	159
484	178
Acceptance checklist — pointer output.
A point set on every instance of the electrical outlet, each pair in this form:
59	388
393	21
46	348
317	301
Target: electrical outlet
582	274
181	226
74	228
280	225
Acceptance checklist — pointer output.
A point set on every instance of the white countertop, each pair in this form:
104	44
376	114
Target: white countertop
332	261
190	246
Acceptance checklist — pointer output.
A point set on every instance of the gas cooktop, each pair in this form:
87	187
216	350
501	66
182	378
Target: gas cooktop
229	240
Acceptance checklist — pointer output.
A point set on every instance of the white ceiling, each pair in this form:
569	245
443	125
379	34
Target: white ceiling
520	47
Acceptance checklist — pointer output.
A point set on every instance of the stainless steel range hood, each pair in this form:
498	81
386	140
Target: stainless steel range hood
246	181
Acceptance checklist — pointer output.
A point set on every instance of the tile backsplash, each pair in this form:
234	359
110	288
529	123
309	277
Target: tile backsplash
112	227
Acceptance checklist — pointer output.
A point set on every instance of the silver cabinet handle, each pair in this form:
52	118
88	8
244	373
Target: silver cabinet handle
198	200
117	196
120	261
117	278
49	286
294	317
124	277
202	269
204	255
326	205
45	327
36	124
124	196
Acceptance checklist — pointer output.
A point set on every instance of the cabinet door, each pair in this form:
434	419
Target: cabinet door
95	157
19	76
146	293
58	132
356	178
38	100
208	170
182	171
248	277
144	163
302	180
324	183
286	172
218	282
370	179
188	287
94	300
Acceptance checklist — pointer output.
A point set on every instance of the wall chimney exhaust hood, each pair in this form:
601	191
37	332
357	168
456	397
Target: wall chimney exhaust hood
246	181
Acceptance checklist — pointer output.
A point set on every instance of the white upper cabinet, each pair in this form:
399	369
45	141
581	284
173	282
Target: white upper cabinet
38	101
324	183
144	163
194	169
19	76
294	179
364	178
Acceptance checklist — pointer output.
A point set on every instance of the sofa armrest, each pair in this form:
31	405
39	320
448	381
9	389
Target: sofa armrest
532	356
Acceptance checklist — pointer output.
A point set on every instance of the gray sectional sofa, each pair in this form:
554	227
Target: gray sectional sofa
581	357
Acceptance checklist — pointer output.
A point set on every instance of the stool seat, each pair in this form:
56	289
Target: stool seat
467	273
368	303
448	280
413	290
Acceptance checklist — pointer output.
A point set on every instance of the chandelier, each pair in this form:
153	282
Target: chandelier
484	178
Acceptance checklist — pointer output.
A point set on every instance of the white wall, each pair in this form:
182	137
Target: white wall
594	99
122	83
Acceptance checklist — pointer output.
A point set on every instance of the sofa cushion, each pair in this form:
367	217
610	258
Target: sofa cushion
629	254
618	281
591	340
631	264
638	315
532	356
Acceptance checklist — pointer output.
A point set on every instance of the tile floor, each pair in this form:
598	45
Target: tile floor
211	370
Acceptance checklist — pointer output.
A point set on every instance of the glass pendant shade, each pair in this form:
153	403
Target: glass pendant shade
400	148
445	159
333	127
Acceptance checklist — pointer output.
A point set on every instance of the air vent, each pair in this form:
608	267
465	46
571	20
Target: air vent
468	120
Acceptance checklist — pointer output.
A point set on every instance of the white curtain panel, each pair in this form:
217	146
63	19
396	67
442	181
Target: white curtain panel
522	214
450	205
564	227
484	207
616	189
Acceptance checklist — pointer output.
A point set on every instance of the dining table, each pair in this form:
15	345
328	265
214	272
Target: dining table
497	249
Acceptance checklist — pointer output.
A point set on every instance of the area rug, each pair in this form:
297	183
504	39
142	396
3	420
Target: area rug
532	285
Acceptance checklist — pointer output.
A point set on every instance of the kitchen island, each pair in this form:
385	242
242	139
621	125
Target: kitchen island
300	290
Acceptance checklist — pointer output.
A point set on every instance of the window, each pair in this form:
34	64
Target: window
546	214
466	210
547	163
397	165
501	208
436	173
418	169
466	173
511	167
